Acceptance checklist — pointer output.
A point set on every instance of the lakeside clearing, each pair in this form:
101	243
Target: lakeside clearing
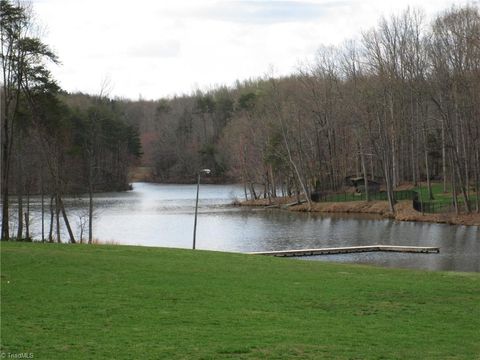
123	302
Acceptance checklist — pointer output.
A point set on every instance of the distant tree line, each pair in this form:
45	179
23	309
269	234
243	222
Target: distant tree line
400	105
52	143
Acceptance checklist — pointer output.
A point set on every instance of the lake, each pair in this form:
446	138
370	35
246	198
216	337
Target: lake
163	215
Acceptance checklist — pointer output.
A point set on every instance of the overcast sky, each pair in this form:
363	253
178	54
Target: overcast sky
155	49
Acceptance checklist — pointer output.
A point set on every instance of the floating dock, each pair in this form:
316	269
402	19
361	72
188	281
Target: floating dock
350	250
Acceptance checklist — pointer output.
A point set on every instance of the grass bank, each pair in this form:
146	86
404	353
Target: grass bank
77	302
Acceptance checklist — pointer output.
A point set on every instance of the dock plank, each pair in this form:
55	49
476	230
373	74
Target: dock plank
350	250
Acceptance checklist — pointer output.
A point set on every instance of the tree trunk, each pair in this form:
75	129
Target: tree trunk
57	218
20	188
372	169
388	183
364	170
462	186
253	194
477	180
20	211
273	183
67	223
412	145
427	165
52	215
267	190
444	158
90	205
27	216
454	186
43	205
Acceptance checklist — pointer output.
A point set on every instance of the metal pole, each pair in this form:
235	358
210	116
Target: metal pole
196	210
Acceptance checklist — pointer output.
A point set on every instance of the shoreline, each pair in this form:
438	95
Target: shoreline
403	210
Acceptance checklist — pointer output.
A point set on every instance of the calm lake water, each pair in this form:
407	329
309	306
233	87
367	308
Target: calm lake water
163	215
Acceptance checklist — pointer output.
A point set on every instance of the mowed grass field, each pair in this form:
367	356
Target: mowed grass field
124	302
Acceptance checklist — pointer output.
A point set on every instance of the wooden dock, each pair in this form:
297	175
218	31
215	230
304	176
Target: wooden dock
350	250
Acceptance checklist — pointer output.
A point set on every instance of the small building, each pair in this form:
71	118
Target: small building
359	184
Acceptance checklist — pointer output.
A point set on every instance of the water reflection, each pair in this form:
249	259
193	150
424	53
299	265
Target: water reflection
162	215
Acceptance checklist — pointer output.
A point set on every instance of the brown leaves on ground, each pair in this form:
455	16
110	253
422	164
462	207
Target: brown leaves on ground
403	210
365	207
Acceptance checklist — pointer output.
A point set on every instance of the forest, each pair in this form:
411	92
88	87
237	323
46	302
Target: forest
402	104
399	104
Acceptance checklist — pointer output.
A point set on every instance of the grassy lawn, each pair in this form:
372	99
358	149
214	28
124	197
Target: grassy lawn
441	198
438	194
119	302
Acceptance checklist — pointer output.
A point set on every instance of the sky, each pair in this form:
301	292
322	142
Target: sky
152	49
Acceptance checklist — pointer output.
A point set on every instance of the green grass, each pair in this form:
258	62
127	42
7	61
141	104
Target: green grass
440	198
438	194
119	302
437	191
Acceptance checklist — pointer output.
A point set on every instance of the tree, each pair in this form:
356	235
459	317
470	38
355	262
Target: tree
22	57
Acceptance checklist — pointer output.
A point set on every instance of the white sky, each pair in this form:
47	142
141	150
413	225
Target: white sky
155	49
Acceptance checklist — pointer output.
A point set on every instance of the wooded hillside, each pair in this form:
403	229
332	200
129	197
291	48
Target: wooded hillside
402	104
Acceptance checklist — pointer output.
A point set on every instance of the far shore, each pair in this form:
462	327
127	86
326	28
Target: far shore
403	210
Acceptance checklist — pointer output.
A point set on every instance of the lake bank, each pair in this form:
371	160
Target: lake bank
404	210
79	301
163	215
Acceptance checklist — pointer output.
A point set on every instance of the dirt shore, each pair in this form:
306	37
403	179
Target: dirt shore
403	210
